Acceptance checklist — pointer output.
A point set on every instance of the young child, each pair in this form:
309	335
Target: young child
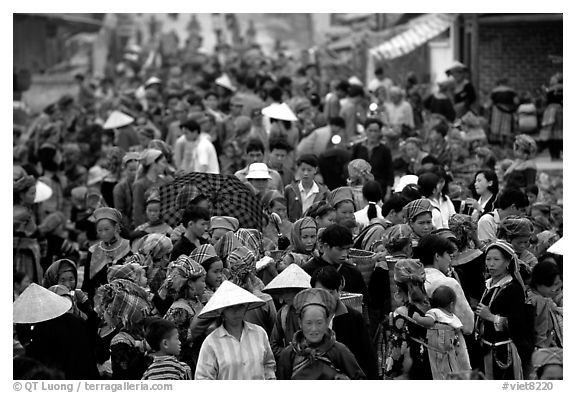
155	224
162	337
447	352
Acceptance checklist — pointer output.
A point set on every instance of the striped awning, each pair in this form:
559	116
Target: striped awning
413	34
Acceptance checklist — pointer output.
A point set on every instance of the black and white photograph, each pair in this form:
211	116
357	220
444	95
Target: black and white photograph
288	196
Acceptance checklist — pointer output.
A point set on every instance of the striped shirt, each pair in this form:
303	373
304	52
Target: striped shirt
167	367
223	357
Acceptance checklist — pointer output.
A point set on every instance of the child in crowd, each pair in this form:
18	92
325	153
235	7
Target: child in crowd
155	224
162	337
447	349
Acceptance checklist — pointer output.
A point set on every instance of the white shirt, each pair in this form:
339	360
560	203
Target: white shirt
192	156
223	357
184	154
441	316
434	279
445	210
488	225
362	215
307	198
400	114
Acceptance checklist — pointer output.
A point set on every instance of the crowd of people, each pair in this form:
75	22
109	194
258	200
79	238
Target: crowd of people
404	235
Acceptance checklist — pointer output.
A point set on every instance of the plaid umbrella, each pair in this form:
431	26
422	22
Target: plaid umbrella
227	194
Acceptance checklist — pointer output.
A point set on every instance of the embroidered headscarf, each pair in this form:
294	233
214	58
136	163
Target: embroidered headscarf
297	228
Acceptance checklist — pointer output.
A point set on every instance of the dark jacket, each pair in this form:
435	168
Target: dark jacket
381	162
184	247
351	331
354	281
292	195
123	201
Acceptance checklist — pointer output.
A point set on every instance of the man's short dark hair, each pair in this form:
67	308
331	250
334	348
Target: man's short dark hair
430	245
512	196
337	121
343	86
309	159
191	125
255	145
158	330
328	277
396	203
356	91
280	143
373	120
336	235
194	213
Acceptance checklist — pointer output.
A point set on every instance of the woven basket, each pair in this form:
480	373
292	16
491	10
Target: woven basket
353	300
364	262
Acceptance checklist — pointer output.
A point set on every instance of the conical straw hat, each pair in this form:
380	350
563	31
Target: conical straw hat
279	111
227	295
225	81
43	192
117	119
291	277
558	247
38	304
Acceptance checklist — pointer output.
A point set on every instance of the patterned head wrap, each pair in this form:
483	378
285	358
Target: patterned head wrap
224	222
55	269
23	183
398	234
341	194
109	213
179	272
461	226
526	143
417	207
409	270
205	255
227	243
547	356
362	168
296	233
129	271
315	296
124	302
515	226
242	262
154	246
252	239
507	249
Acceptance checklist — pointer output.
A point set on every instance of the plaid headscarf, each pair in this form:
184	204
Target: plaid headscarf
341	194
129	271
242	262
527	143
251	239
154	246
179	272
515	226
205	255
409	270
296	233
315	296
55	269
362	167
396	235
417	207
227	243
125	303
508	251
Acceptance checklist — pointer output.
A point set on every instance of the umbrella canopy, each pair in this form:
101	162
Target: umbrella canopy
227	194
227	295
293	277
38	304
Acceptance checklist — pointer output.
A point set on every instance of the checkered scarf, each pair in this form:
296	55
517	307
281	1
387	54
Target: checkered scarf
226	245
154	246
227	194
124	302
242	262
129	271
414	208
251	239
204	255
179	272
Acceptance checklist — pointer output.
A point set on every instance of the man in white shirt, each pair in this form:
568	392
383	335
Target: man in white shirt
194	152
511	202
380	81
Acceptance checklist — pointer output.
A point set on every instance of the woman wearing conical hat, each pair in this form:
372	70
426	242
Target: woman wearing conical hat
236	349
284	287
